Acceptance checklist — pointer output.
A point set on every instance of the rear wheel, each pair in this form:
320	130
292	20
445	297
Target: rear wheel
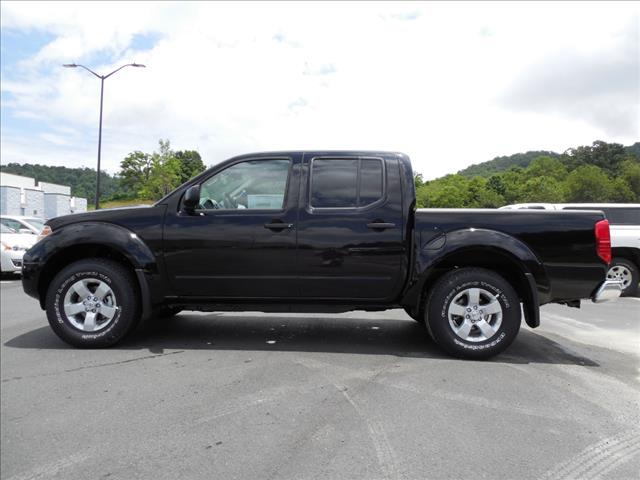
473	313
626	272
92	303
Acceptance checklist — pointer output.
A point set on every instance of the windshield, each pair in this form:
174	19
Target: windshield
5	229
35	222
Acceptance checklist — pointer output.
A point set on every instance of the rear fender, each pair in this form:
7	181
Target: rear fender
479	247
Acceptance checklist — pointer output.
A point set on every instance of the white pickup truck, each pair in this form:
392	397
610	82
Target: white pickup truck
624	220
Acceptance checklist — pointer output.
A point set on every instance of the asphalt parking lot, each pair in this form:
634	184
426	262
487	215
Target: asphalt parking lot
353	396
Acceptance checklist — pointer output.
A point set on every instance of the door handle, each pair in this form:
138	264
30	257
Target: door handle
278	225
380	225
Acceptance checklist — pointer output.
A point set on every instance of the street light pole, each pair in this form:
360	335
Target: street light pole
97	202
102	79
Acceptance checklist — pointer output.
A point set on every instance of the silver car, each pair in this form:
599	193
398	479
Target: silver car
12	248
22	224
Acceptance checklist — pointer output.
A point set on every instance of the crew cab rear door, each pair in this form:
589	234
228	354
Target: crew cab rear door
350	228
241	241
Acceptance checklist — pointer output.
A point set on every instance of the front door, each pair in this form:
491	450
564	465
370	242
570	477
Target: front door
241	240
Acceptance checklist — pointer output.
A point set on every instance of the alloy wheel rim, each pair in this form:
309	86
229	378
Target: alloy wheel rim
90	305
621	274
475	315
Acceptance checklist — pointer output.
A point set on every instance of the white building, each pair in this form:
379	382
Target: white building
22	196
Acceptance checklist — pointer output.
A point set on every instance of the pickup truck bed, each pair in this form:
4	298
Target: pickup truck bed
316	232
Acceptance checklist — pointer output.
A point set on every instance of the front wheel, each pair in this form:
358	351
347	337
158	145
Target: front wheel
624	271
473	313
92	303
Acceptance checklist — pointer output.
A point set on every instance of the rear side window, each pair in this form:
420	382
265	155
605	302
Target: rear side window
346	182
623	216
617	215
370	181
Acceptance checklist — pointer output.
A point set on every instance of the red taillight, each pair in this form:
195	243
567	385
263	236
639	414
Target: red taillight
603	240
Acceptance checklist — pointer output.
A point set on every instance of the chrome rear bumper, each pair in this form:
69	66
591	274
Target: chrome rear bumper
608	290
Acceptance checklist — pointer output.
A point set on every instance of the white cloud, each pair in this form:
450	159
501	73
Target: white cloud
448	84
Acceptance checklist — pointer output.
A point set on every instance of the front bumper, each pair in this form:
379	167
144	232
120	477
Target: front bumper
12	260
30	277
608	290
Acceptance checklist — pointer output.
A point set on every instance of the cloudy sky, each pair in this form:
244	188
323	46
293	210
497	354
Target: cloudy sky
449	84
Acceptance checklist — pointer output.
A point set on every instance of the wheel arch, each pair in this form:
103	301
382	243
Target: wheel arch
630	253
93	240
495	251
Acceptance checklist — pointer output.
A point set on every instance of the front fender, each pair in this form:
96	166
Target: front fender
110	235
40	259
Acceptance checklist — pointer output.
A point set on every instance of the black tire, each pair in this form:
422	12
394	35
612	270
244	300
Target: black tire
622	269
417	315
123	287
457	285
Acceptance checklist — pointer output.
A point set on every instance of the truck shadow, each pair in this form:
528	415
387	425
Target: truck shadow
357	336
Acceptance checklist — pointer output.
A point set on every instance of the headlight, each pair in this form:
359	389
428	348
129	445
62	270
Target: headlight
15	248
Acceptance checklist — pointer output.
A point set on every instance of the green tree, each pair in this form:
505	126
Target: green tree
457	191
630	172
620	191
191	164
496	184
513	180
607	156
443	196
542	189
588	184
449	191
479	195
164	175
545	166
135	170
418	180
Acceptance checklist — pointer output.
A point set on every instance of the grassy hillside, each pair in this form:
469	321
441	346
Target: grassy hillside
500	164
81	180
601	172
122	203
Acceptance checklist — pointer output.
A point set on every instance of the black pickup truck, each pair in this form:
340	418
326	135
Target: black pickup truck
321	231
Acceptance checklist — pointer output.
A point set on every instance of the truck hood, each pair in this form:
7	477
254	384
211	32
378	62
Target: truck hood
106	215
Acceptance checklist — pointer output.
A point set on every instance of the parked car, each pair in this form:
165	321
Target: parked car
316	232
12	248
21	224
624	219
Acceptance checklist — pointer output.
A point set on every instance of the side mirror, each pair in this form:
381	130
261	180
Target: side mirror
26	230
191	198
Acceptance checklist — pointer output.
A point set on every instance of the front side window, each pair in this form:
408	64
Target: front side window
346	182
253	185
